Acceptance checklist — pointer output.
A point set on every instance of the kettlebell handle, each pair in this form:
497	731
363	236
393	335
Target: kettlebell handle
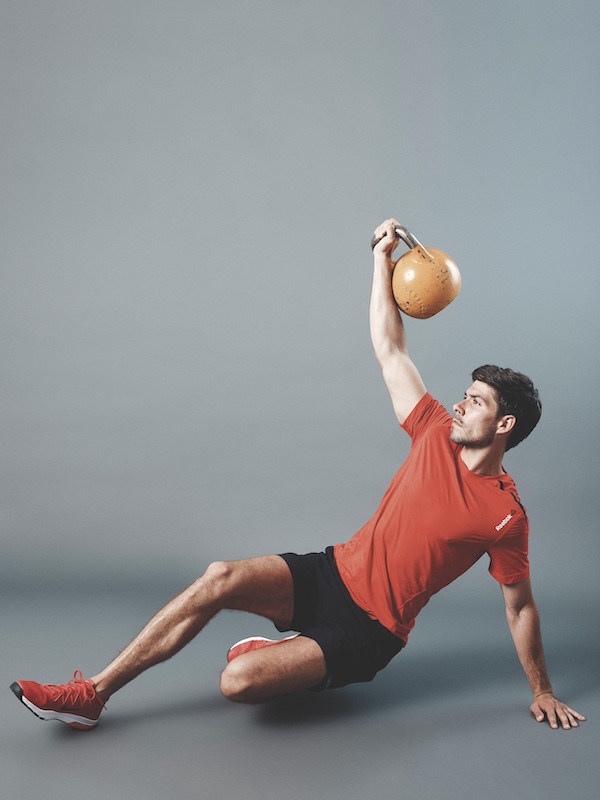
401	233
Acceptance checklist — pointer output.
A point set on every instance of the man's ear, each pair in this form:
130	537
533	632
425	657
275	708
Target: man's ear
506	424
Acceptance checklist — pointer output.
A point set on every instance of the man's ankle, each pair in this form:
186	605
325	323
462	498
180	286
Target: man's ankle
101	689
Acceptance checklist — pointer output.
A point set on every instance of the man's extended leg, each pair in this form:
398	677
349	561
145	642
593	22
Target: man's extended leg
261	586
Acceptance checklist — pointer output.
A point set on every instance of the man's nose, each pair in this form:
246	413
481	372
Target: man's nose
458	408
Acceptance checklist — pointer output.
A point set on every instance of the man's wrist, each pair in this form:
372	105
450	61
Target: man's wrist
382	260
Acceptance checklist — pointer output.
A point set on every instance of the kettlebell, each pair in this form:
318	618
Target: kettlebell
424	280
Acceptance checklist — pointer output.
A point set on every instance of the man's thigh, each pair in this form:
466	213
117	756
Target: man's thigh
260	586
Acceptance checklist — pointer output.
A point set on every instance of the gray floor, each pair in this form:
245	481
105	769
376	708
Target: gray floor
448	718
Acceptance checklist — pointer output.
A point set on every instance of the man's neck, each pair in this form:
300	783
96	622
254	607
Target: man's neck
485	461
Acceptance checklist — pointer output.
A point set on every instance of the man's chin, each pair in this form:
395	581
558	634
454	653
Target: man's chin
456	438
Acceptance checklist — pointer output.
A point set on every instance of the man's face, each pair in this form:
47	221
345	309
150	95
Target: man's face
475	417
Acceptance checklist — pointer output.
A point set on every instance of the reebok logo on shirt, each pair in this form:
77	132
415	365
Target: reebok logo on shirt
506	520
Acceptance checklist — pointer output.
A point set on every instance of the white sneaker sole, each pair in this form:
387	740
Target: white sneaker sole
46	714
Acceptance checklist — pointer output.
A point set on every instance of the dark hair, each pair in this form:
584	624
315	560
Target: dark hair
516	395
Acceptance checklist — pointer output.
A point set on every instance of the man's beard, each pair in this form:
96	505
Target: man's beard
459	436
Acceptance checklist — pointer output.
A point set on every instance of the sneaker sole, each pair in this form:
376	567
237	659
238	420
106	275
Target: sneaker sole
45	714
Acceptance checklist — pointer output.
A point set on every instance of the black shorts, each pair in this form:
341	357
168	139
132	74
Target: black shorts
355	646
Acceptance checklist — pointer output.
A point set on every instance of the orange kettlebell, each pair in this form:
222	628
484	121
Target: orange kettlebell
424	280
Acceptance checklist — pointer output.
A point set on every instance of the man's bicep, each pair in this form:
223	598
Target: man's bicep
404	384
517	595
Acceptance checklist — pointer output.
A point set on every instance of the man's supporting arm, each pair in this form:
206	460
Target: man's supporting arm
524	624
401	377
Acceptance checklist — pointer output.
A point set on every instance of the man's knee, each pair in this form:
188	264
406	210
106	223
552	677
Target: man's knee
211	588
237	683
219	572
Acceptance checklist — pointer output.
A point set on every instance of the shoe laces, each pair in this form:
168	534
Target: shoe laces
78	691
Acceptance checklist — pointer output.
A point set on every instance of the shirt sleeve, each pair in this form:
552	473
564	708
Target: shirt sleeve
509	562
426	414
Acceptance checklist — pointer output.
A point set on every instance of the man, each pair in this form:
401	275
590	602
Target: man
354	605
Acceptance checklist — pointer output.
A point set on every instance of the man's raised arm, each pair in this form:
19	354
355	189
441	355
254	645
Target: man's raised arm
401	377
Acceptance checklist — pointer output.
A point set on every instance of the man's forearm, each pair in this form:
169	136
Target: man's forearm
526	633
387	328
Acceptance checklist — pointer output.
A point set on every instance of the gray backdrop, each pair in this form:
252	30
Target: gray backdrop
189	190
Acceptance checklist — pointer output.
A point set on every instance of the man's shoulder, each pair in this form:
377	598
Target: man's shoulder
428	414
507	484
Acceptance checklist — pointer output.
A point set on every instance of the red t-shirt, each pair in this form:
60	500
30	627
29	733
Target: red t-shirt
436	519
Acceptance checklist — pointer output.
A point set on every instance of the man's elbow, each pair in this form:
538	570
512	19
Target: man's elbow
523	611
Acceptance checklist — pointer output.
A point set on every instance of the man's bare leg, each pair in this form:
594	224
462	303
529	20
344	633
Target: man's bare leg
261	586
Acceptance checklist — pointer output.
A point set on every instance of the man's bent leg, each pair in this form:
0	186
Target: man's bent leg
272	671
261	586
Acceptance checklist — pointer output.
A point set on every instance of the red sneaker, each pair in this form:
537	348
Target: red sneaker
254	643
75	703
